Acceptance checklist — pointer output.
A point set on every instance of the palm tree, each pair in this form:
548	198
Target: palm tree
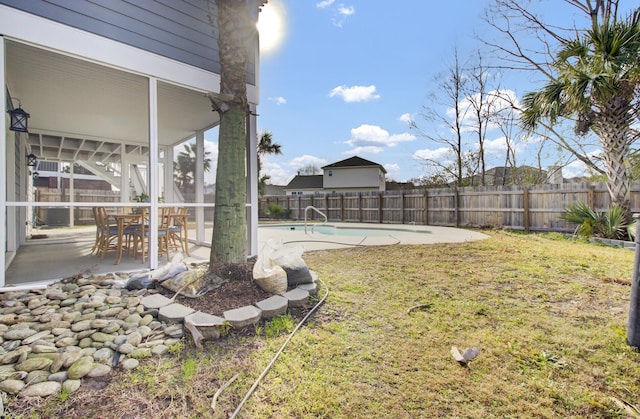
597	78
266	146
236	31
185	166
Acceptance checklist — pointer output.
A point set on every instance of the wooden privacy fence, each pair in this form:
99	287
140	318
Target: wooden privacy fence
82	215
529	208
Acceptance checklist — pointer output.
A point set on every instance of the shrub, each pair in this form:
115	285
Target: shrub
276	211
611	224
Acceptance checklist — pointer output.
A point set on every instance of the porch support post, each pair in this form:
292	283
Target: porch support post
3	161
252	181
169	188
72	192
153	172
200	186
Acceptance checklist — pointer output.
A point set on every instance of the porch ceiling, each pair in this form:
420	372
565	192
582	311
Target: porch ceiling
85	111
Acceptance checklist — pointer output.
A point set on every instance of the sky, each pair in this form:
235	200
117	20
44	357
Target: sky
342	78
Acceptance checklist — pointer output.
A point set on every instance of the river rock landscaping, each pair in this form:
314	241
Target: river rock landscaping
84	327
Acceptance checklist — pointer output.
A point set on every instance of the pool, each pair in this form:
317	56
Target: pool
332	230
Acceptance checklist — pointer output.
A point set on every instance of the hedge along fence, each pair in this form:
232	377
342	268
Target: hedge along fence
529	208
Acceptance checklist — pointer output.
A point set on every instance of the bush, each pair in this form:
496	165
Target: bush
276	211
610	224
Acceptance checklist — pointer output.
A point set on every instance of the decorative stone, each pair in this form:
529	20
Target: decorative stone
174	331
19	334
130	363
41	389
37	376
134	338
71	386
174	313
273	306
12	386
297	297
102	337
103	354
99	370
126	348
155	301
159	350
312	288
81	326
32	364
243	316
60	377
80	368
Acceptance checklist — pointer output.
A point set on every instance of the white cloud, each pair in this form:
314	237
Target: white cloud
278	100
442	154
364	150
277	174
355	93
407	118
306	160
373	136
340	11
574	169
346	10
499	146
324	3
392	169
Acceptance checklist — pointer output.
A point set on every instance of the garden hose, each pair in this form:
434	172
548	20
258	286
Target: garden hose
286	342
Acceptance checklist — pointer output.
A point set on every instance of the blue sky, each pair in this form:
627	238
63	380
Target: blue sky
340	78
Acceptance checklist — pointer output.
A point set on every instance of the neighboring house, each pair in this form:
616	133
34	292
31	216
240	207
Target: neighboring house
304	185
114	86
273	190
354	174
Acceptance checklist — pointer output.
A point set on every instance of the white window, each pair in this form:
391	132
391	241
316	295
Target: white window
330	172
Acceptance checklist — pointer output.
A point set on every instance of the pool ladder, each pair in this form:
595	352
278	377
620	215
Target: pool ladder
311	207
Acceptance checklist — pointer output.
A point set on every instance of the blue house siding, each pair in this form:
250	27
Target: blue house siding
176	29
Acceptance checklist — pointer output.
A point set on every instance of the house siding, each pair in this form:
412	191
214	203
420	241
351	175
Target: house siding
176	29
361	178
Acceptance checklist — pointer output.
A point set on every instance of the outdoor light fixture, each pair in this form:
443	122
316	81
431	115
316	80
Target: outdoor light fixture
35	175
19	120
32	160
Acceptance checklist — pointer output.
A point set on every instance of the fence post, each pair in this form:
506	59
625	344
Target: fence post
456	211
380	204
525	207
426	207
591	199
326	205
299	209
360	205
402	207
341	207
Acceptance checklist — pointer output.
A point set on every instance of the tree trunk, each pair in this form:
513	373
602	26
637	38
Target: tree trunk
613	128
229	241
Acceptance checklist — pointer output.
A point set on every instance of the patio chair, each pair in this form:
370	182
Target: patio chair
178	227
141	234
106	233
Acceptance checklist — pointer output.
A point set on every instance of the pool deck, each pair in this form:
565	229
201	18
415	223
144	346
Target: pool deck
397	234
66	252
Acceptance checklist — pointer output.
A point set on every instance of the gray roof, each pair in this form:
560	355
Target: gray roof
355	161
305	182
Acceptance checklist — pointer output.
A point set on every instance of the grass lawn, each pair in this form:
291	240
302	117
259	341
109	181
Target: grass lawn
548	315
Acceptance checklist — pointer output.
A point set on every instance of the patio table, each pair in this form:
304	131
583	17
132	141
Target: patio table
126	223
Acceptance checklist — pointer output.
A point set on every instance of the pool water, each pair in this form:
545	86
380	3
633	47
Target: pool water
330	230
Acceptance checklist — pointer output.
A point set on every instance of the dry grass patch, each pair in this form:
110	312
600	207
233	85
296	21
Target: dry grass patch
548	315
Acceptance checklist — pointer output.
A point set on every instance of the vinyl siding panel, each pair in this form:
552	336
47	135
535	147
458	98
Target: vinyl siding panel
177	29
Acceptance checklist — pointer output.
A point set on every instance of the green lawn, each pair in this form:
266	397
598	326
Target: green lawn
548	315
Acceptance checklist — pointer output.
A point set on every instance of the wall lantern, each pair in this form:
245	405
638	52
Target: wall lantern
19	119
32	160
35	175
